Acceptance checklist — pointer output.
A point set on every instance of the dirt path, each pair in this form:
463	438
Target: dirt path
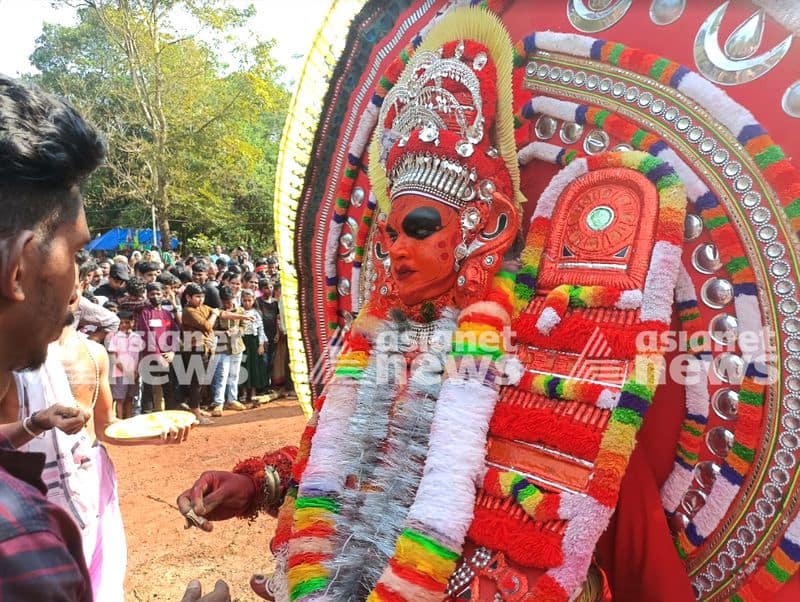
162	556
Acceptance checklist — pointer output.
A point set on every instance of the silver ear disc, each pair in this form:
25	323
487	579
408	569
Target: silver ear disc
470	218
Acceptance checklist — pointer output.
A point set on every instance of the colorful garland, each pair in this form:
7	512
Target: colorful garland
782	563
698	400
422	561
434	532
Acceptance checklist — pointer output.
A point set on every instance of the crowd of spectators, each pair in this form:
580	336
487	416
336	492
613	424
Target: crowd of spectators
198	332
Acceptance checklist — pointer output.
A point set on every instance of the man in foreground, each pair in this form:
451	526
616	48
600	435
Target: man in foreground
46	152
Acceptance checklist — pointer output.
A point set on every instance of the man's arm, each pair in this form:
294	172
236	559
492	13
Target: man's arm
93	314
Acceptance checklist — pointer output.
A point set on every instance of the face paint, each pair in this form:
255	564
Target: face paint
421	236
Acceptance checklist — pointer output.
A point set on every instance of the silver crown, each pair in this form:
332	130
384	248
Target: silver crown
438	178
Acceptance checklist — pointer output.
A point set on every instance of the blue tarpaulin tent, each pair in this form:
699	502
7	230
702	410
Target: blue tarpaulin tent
126	238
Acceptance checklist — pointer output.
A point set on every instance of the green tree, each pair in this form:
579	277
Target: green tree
193	118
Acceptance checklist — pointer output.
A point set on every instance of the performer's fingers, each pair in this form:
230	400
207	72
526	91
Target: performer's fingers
193	591
184	503
212	500
196	496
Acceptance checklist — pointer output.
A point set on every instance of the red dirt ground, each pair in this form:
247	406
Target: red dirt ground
162	556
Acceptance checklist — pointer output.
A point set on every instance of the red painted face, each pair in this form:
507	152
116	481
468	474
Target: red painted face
421	237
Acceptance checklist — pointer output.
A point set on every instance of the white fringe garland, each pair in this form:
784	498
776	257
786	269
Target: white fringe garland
445	500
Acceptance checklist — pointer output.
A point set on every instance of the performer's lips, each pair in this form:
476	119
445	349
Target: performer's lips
404	272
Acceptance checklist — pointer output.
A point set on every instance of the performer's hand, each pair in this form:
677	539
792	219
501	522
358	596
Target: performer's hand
261	585
194	593
69	419
216	495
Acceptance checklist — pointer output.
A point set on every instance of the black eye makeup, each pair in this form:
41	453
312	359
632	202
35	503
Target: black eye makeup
422	222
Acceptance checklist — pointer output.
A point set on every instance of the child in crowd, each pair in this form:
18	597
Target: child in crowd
135	297
172	292
254	342
197	345
111	306
225	386
124	347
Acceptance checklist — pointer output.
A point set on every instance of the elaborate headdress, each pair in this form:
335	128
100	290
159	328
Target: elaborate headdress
446	132
445	129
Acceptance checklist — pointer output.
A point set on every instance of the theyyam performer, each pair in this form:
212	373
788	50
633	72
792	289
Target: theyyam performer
591	394
401	490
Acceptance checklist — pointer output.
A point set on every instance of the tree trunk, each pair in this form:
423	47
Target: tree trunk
161	202
163	227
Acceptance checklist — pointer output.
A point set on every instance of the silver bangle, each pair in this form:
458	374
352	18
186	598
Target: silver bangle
27	428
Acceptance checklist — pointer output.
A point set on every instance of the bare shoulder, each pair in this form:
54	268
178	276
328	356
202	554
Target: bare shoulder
98	351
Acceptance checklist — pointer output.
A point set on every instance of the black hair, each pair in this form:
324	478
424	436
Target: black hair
82	256
110	305
125	314
262	282
87	267
225	293
47	150
193	289
154	286
167	278
136	286
185	276
147	266
199	266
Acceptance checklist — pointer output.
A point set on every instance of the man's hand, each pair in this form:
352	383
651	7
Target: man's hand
175	435
194	593
69	419
216	495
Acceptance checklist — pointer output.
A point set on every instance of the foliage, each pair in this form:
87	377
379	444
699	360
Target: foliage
192	118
